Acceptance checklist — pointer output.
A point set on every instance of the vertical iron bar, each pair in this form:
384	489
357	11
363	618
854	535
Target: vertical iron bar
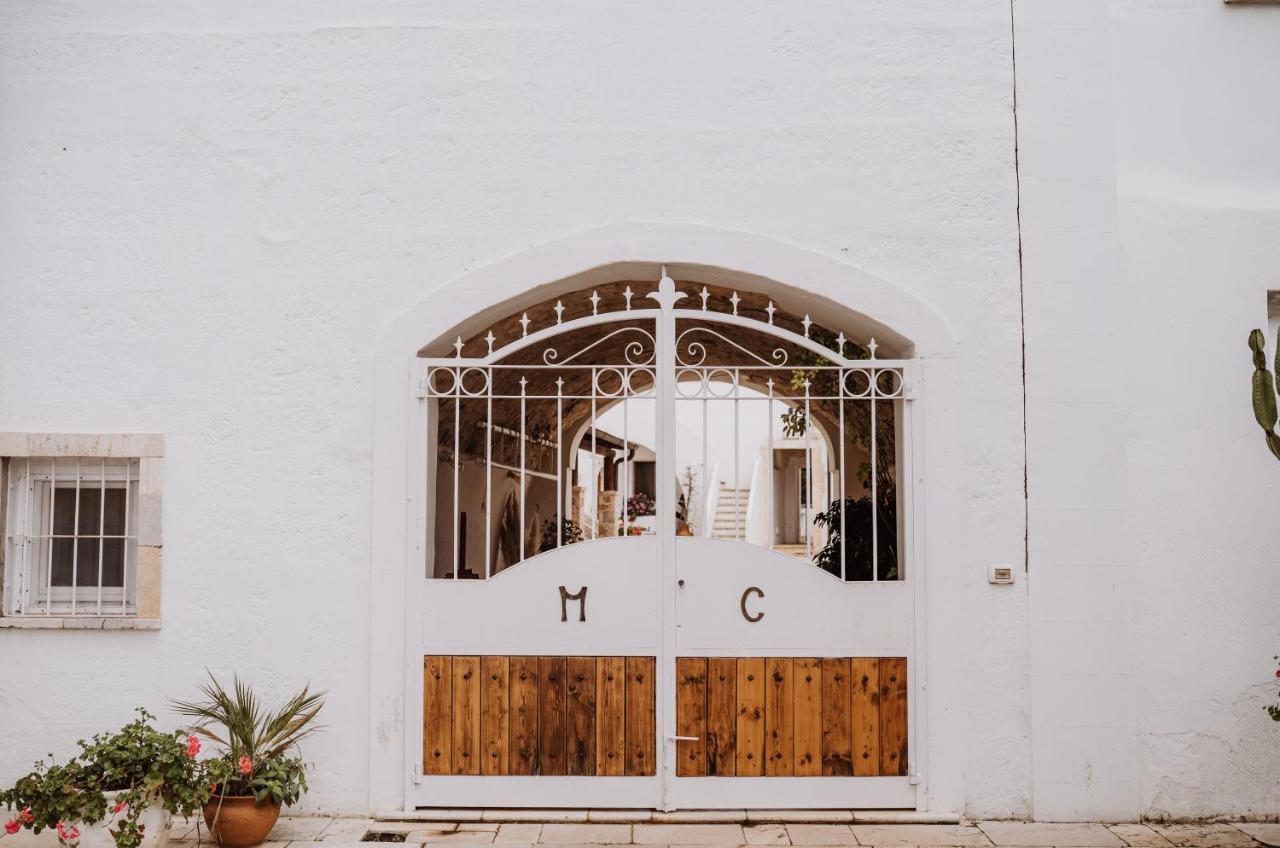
102	525
769	428
523	384
626	461
595	491
709	521
875	506
737	483
840	492
559	517
808	475
53	500
124	563
457	468
488	473
75	540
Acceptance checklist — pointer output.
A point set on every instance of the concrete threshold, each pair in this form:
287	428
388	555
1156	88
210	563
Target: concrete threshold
551	816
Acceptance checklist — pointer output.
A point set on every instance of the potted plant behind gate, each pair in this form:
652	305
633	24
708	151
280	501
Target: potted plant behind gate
258	768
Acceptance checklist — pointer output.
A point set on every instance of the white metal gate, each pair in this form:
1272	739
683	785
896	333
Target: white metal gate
544	558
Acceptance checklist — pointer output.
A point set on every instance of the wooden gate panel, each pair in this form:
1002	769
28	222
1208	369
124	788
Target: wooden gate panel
466	715
722	716
582	715
691	716
641	724
611	716
865	673
779	717
807	685
495	715
750	742
437	724
893	715
551	715
552	718
784	716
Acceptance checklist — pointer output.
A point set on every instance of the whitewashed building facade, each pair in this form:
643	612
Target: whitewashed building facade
278	283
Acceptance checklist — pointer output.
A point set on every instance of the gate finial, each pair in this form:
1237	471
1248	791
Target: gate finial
666	295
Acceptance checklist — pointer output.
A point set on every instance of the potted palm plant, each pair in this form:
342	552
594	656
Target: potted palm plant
258	767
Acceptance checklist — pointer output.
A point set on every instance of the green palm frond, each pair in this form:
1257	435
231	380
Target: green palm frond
248	730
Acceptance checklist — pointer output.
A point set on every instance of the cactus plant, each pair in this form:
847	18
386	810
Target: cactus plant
1264	390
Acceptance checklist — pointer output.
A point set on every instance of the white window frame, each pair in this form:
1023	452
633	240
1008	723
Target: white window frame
27	497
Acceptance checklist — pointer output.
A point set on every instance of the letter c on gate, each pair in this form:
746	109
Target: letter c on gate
743	603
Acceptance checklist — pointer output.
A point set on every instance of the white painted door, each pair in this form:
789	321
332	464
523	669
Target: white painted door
820	642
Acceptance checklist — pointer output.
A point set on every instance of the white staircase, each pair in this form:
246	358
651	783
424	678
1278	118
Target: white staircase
731	513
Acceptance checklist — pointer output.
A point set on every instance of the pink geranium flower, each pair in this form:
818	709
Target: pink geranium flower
193	745
246	765
11	827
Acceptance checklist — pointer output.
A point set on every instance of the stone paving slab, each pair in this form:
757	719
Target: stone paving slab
458	837
308	828
688	834
345	830
821	834
801	816
1139	836
1205	835
766	834
587	834
1048	835
411	826
919	834
1268	833
518	832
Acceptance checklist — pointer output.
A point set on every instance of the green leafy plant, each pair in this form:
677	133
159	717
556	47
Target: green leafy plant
139	763
570	532
259	748
857	524
1264	391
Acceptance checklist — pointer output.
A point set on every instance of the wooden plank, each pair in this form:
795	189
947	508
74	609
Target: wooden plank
893	715
641	730
466	715
837	730
806	683
750	729
691	716
553	673
779	717
722	716
524	715
495	715
865	672
437	721
582	716
611	716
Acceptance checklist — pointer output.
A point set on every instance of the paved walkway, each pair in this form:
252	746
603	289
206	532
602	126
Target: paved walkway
302	832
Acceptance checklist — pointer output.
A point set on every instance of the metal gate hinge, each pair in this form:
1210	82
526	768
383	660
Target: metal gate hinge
422	388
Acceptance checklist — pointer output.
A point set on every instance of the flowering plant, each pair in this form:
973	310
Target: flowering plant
138	763
1273	710
639	505
256	745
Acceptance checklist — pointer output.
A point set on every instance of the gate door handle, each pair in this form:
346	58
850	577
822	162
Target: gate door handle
683	738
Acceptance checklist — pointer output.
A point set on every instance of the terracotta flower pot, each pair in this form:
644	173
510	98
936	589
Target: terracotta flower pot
238	821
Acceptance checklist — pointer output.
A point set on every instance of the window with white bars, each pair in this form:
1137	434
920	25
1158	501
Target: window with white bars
71	539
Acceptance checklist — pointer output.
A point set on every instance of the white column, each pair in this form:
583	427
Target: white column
1085	759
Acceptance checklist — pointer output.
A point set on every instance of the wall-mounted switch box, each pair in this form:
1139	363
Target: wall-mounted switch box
1000	575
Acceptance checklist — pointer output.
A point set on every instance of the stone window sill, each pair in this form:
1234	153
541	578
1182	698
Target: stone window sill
79	622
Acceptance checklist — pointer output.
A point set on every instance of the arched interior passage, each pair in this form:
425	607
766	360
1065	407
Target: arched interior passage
550	439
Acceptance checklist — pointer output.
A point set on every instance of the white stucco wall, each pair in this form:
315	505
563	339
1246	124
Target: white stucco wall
1196	88
212	218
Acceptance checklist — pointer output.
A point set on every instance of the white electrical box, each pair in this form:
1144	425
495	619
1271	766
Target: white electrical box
1000	575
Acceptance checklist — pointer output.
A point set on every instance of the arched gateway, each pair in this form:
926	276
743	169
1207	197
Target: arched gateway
667	542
